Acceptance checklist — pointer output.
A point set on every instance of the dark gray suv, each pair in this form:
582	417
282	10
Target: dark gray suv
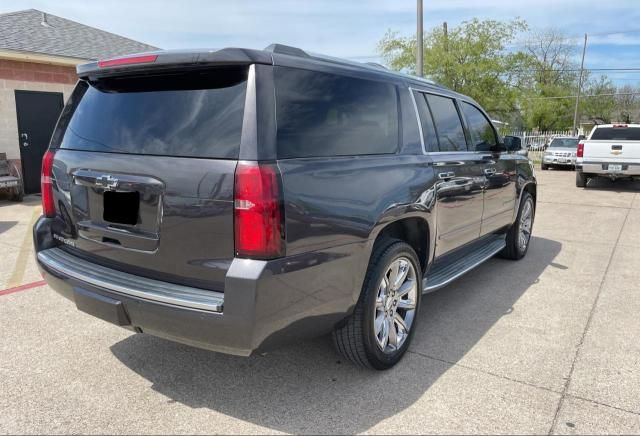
237	199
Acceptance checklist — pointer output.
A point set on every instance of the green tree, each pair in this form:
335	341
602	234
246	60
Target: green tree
551	76
628	104
472	58
600	106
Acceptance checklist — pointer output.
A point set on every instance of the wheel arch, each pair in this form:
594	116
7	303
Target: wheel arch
414	230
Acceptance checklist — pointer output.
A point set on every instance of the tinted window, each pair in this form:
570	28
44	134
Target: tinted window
196	115
564	142
483	137
617	133
328	115
513	142
448	124
426	121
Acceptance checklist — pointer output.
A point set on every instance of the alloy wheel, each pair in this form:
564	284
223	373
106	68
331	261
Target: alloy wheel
526	222
395	305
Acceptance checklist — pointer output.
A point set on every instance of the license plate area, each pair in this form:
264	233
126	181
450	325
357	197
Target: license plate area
121	207
125	212
614	168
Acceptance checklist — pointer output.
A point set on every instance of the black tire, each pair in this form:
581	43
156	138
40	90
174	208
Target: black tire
17	193
513	249
544	167
581	179
356	338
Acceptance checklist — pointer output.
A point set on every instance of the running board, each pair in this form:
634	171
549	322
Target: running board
444	272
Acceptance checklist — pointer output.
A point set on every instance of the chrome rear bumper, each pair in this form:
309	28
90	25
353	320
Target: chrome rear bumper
129	284
601	168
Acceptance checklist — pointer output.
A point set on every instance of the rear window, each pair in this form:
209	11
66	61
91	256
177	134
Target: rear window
322	114
617	133
564	142
196	114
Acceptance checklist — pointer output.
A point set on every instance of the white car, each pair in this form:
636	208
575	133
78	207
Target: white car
612	151
560	153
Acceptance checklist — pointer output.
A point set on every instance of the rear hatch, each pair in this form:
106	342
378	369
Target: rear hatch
617	143
144	172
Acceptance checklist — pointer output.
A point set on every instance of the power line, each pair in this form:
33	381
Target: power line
583	96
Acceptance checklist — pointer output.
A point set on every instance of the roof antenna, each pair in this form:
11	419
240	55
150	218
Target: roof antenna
44	22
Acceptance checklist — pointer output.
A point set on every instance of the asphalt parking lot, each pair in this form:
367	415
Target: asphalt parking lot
549	344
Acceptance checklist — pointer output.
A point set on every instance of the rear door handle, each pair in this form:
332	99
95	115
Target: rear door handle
447	175
489	171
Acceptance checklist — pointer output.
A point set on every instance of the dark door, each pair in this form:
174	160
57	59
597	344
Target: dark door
499	170
460	199
38	113
459	172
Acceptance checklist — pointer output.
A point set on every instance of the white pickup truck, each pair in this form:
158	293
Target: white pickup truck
611	150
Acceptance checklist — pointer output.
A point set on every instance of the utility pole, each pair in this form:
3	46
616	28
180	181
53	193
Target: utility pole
445	31
575	113
419	40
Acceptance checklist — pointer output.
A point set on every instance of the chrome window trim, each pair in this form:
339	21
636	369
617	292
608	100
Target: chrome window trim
130	285
456	104
415	109
434	92
462	120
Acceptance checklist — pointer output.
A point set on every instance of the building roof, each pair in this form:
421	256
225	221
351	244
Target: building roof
34	31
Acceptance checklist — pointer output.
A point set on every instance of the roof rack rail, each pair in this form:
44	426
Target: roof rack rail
377	65
286	49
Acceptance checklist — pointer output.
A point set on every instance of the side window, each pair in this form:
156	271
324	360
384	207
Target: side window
447	122
483	136
322	114
426	122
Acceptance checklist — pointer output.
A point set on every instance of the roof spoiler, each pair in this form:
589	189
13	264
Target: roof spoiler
170	60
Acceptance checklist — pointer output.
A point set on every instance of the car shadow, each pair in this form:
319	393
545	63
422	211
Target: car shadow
6	225
308	388
605	184
29	200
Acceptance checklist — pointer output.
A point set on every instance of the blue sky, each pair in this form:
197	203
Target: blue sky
348	28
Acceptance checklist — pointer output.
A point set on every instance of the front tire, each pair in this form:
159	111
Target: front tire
544	167
379	331
519	234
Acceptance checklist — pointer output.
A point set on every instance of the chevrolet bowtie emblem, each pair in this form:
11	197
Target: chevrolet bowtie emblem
616	152
107	182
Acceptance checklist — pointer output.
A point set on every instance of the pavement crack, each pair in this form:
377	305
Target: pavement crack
588	324
589	400
471	368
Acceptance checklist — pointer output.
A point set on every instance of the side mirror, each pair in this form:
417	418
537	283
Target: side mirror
513	143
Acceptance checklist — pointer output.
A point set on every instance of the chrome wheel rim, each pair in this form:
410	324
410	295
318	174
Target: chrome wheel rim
526	221
395	305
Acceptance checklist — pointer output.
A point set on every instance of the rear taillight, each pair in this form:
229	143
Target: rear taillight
258	219
46	185
580	151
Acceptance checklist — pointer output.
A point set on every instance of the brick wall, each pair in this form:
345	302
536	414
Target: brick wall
34	72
